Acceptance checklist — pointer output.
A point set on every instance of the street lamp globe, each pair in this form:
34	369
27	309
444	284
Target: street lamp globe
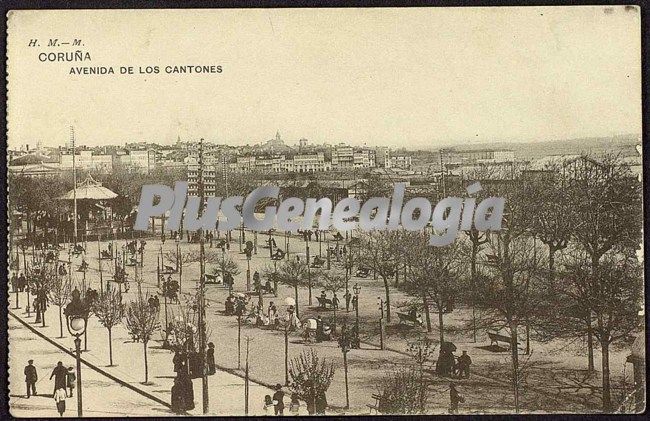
77	325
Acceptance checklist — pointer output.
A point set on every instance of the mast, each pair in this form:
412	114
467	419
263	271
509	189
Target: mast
74	182
202	327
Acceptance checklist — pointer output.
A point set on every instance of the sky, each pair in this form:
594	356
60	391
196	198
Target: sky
413	77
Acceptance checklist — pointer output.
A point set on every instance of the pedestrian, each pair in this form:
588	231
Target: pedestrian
71	378
464	361
335	301
347	297
179	361
278	400
269	407
271	312
178	397
294	406
31	377
210	359
22	282
454	398
60	374
319	329
59	399
187	390
355	302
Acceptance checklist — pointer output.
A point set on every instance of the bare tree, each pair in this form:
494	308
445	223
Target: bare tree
434	277
293	273
402	392
332	282
507	293
553	217
141	322
378	254
610	297
226	267
60	293
311	376
109	310
607	198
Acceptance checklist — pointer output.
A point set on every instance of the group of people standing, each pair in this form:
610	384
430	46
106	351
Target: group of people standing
64	383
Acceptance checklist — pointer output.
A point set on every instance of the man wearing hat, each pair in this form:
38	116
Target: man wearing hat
278	400
31	377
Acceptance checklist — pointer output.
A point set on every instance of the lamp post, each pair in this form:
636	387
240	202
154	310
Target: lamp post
344	343
248	252
288	323
381	323
179	265
357	290
77	320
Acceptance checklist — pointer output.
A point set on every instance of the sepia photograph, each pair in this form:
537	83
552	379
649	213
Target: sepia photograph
325	211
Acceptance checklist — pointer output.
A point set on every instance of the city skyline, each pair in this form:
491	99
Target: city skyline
503	74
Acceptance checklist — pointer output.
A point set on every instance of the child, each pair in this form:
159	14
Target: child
71	378
294	406
59	398
268	405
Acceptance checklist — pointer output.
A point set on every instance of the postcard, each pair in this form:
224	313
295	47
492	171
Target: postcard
341	211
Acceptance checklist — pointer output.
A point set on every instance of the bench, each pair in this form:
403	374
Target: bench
324	302
106	255
168	270
375	406
362	273
278	255
403	317
213	279
495	338
318	262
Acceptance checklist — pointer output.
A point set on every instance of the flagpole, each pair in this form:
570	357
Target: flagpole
74	182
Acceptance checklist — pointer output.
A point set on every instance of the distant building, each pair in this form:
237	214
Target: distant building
309	163
275	145
364	158
478	156
87	160
342	156
213	177
264	164
382	157
141	161
400	162
35	170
